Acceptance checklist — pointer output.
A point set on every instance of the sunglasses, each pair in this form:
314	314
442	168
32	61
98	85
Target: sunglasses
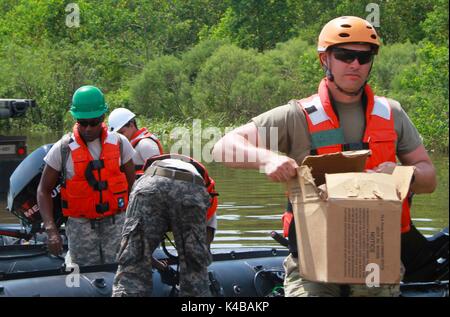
348	56
90	122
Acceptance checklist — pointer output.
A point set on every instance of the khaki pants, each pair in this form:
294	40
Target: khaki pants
296	286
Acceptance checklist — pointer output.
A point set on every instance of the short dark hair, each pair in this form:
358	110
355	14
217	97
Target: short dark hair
133	121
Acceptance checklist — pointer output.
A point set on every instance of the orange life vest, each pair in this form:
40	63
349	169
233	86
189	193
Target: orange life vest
209	182
98	188
140	134
328	137
145	134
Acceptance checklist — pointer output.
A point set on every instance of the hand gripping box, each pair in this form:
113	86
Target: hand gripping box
348	228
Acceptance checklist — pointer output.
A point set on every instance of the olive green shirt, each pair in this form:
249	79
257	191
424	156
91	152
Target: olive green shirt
294	139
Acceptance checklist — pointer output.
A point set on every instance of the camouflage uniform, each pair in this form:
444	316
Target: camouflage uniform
93	242
296	286
156	204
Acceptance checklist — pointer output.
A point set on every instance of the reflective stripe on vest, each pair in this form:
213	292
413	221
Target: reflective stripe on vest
328	137
98	188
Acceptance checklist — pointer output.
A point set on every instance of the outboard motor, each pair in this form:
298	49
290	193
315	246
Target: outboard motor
426	263
425	259
22	194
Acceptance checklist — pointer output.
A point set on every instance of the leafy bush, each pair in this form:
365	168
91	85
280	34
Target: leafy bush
390	62
161	89
213	89
423	90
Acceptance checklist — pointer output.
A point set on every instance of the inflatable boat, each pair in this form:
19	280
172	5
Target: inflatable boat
29	270
26	268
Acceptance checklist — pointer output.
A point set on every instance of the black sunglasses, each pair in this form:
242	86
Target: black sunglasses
348	56
90	122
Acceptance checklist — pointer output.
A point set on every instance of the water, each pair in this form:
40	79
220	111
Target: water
250	206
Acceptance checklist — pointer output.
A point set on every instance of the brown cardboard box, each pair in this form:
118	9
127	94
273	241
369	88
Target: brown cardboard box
350	221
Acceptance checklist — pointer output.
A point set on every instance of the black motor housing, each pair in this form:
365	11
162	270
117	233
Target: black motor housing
22	193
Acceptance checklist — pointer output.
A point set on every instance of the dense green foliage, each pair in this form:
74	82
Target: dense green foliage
225	61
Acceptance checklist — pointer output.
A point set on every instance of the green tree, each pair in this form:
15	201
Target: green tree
257	24
400	20
213	89
423	89
194	58
435	25
391	61
161	90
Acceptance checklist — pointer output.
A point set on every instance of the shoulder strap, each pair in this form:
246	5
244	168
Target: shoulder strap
120	148
120	143
65	140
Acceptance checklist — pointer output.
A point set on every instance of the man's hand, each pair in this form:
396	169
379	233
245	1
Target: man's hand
280	168
385	167
48	181
54	242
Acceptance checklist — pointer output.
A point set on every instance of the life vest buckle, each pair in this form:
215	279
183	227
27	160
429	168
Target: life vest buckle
99	186
102	208
96	164
355	146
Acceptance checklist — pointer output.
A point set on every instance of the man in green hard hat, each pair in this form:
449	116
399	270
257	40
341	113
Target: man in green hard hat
97	174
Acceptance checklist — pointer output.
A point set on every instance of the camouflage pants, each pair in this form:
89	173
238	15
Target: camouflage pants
157	204
296	286
93	246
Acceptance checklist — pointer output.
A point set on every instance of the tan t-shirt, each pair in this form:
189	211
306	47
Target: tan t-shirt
294	139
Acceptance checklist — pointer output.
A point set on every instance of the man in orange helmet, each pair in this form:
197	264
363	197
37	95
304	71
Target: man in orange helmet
343	115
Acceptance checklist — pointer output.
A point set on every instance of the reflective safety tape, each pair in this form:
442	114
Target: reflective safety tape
381	108
319	115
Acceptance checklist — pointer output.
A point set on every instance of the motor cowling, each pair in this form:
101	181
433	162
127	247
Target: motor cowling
22	194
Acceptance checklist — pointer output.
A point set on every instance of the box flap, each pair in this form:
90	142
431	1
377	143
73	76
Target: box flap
402	176
302	188
343	162
361	186
294	191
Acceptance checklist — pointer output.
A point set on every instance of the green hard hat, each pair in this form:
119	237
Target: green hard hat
88	102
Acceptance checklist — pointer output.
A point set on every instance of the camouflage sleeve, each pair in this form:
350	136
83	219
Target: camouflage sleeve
134	274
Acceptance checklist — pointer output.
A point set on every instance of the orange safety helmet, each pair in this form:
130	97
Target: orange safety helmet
347	29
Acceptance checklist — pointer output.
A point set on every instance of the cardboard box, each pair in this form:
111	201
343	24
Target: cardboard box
350	222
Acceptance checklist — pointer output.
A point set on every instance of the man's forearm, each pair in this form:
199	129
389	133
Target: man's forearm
45	203
236	152
130	174
424	175
424	178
